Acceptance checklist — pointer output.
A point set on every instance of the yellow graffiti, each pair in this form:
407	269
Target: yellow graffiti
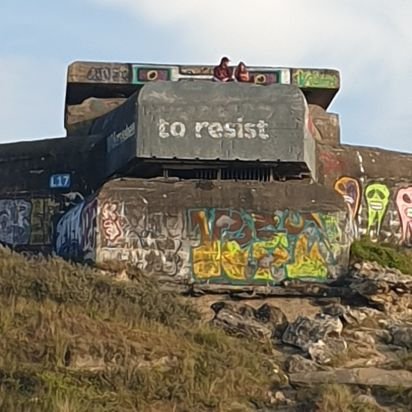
234	260
268	254
206	260
307	263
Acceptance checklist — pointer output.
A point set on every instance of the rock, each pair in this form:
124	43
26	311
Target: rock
304	331
335	310
325	351
272	315
402	336
359	376
297	363
239	319
382	288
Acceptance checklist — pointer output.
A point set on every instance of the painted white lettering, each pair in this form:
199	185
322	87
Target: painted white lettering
250	132
163	129
116	139
230	131
239	127
215	130
178	129
262	125
198	128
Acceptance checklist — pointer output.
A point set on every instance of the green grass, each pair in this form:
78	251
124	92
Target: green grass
72	339
383	254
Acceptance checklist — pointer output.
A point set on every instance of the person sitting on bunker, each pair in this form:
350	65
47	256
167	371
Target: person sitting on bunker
223	73
242	74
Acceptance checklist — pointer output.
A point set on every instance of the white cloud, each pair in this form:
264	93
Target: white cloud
32	98
368	40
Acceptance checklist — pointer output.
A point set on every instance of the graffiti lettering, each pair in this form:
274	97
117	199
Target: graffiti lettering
315	78
239	246
116	139
151	242
109	74
15	227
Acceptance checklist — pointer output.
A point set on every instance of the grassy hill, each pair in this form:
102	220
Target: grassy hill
74	340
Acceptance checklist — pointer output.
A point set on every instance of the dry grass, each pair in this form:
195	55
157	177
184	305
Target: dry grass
340	398
74	340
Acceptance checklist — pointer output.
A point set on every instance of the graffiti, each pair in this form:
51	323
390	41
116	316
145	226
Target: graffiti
75	237
43	212
377	201
88	229
116	139
315	78
404	205
152	242
239	246
196	70
109	74
15	226
69	234
350	190
112	222
30	222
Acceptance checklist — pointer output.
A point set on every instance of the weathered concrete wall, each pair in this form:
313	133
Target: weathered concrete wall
52	165
377	186
120	80
327	125
217	232
214	121
41	180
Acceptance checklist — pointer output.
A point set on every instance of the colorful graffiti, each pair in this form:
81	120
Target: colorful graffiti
152	242
349	188
240	246
404	206
383	216
377	196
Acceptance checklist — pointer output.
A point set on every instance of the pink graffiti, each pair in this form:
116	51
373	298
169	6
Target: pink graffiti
111	221
404	204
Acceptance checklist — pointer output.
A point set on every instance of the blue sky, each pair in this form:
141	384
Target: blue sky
370	41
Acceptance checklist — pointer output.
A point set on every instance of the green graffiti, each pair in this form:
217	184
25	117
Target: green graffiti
315	78
377	200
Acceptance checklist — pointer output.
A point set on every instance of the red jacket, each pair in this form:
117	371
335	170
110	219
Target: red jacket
222	73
